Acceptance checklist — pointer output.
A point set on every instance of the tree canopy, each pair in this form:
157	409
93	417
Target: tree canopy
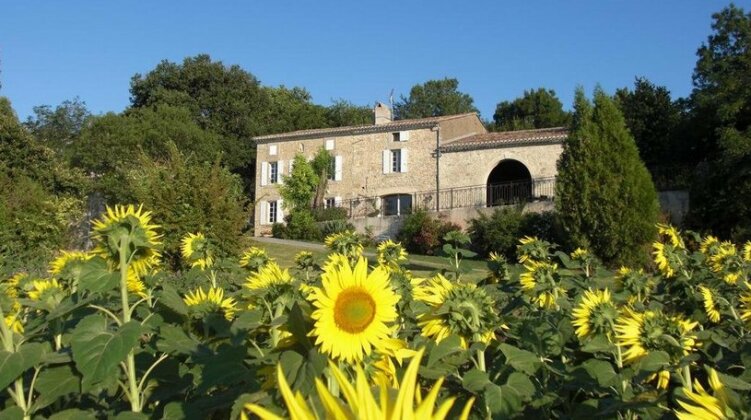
537	108
434	98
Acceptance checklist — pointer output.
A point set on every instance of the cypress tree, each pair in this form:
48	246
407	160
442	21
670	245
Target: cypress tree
605	196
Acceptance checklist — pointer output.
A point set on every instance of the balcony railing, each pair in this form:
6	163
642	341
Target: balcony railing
507	193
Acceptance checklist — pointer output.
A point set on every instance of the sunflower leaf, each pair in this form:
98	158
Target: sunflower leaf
96	277
654	361
521	360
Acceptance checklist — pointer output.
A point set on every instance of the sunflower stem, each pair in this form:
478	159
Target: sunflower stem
687	377
130	361
481	360
18	395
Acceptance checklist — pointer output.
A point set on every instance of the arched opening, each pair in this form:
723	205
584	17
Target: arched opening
509	182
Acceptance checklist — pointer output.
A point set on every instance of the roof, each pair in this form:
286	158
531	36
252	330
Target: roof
507	138
361	129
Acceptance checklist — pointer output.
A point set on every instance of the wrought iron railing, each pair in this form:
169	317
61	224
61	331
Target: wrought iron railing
507	193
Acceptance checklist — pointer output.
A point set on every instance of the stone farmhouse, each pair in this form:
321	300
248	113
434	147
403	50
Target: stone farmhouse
449	164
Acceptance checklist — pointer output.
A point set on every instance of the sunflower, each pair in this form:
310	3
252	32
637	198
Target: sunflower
347	243
391	254
404	401
460	309
672	235
254	259
134	226
67	258
747	252
662	377
10	286
666	258
725	261
352	310
305	261
195	249
700	404
540	280
532	249
269	283
498	267
203	303
708	244
595	314
641	333
135	284
42	290
710	304
637	285
746	306
334	261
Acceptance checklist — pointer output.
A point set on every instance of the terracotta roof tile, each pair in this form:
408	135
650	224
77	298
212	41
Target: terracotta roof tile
359	129
504	138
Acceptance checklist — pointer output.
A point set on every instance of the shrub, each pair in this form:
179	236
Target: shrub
496	232
330	227
331	213
301	225
422	233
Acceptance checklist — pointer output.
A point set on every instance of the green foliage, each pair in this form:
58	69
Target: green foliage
300	224
191	197
344	113
434	98
333	226
292	109
299	187
422	233
330	213
653	119
59	128
537	108
721	103
604	194
500	230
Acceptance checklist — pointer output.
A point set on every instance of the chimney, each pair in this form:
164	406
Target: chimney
382	114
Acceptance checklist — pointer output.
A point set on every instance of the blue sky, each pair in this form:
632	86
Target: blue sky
358	50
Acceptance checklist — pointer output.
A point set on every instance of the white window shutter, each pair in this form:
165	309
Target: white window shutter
280	172
337	168
272	150
386	161
291	166
264	213
403	135
337	201
405	159
330	144
279	211
264	173
378	205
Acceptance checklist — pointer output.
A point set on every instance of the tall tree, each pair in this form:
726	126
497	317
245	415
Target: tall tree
721	102
58	128
344	113
224	99
653	119
537	108
290	110
434	98
604	194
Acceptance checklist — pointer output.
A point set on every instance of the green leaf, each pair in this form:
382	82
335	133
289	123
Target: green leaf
96	276
13	365
98	349
129	415
601	371
521	360
174	340
654	361
226	367
734	383
450	345
54	383
520	384
12	413
598	344
475	380
172	300
73	414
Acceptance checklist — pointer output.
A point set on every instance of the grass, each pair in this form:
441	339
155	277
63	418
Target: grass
420	265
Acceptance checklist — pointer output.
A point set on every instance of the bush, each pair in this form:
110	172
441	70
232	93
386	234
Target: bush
497	231
422	233
300	225
334	226
500	230
331	213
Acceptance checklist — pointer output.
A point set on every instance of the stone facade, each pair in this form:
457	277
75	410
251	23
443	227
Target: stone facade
365	170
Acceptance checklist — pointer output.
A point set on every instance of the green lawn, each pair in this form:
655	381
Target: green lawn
420	265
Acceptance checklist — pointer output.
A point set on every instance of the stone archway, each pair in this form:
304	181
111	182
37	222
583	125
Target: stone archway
508	183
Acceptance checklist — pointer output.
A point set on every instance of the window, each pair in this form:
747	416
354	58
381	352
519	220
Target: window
273	210
396	160
397	136
273	172
272	150
329	203
330	144
331	174
397	204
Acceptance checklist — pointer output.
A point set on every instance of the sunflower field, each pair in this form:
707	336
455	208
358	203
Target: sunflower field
111	333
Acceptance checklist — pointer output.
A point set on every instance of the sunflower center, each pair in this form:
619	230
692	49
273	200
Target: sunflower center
354	310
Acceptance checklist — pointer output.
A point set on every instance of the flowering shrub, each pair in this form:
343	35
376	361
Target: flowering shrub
106	333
